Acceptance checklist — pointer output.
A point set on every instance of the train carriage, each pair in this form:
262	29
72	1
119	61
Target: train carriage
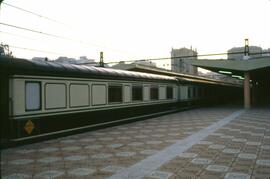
42	99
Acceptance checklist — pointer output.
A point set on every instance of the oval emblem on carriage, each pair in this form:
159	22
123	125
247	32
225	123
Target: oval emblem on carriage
29	127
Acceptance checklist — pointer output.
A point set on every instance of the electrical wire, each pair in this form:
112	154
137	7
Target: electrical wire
165	58
36	14
190	56
59	22
16	35
37	50
58	36
35	31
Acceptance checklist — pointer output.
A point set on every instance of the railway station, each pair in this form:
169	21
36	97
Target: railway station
134	89
179	126
217	142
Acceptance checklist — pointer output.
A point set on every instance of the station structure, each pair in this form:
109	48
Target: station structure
254	72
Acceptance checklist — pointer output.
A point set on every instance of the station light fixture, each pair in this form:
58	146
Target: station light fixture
237	76
225	72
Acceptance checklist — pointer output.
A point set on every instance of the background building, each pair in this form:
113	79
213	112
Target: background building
83	60
266	52
145	63
240	56
178	64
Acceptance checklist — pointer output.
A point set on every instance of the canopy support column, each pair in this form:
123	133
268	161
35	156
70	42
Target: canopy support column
247	90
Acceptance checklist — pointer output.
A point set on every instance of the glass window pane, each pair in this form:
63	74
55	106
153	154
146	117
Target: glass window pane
115	93
169	92
154	92
32	96
137	93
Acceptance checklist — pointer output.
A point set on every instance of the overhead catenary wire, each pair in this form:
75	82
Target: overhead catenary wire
57	36
51	35
36	31
165	58
36	14
16	35
190	56
37	50
59	22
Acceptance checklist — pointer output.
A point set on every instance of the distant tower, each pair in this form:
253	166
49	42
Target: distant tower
178	65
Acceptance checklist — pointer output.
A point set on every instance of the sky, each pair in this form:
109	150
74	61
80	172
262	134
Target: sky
133	29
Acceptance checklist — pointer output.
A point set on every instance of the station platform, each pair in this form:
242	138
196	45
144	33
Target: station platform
219	142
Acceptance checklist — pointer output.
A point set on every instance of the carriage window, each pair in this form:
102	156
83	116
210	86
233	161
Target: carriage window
162	92
200	92
154	92
115	94
99	94
189	92
127	95
79	95
137	93
55	96
194	92
32	96
169	92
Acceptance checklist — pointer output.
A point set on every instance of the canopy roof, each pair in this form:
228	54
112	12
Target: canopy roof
237	67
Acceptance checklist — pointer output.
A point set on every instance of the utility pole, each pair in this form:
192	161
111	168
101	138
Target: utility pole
246	47
101	62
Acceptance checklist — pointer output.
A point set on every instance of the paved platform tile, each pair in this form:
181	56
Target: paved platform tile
254	143
50	174
49	149
201	161
217	168
231	151
227	137
49	159
205	142
71	148
22	161
81	171
265	147
239	140
149	152
236	175
154	142
216	134
188	155
87	140
263	162
112	168
93	147
17	176
25	151
68	141
160	174
134	144
75	157
217	146
101	156
115	145
247	156
125	154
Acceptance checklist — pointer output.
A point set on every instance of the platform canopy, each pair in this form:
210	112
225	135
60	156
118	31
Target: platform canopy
237	67
254	72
